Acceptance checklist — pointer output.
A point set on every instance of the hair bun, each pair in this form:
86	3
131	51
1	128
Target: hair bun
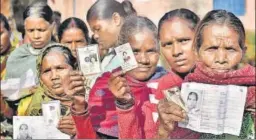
128	8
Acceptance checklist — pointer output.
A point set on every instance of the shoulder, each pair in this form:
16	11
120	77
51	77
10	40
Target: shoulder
18	52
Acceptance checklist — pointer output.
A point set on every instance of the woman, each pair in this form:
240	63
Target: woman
53	67
38	25
220	43
74	33
105	19
176	33
116	97
6	48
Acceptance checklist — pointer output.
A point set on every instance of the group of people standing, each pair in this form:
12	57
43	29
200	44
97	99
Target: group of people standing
122	105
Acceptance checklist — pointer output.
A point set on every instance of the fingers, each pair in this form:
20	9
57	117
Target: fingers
170	112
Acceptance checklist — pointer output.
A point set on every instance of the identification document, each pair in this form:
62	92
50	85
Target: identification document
173	94
34	127
214	109
89	59
51	112
125	54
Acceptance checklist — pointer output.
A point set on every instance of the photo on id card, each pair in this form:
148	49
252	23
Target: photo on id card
192	101
89	60
125	54
29	127
51	112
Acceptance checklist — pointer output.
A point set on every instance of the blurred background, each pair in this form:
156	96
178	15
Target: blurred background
153	9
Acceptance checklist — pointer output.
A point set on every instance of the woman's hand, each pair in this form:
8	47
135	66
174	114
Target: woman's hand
67	125
169	113
119	87
74	88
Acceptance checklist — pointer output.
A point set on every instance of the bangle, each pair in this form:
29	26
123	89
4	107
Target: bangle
125	104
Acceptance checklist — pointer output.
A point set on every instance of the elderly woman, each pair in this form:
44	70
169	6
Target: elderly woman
38	26
220	43
53	67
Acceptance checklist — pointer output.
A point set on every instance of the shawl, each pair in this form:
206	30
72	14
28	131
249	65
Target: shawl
31	104
102	102
21	60
244	76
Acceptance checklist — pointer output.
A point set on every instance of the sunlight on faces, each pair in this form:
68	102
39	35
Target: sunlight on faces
144	47
105	32
74	38
220	50
54	71
176	44
39	31
5	39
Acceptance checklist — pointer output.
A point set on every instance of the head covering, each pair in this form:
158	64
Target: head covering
32	105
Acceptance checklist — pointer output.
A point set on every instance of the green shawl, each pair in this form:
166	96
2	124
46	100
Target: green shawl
21	60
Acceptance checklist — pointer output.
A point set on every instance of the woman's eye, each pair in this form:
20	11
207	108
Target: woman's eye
184	40
169	44
230	49
46	71
213	48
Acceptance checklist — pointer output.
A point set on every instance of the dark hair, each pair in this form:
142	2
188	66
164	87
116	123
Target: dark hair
57	13
39	9
135	24
193	94
71	23
70	59
5	21
185	14
23	125
104	9
221	17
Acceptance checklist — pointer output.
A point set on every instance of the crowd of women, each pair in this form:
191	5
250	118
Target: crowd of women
122	105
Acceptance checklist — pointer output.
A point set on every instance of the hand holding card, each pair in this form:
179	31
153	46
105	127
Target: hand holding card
75	89
119	87
174	94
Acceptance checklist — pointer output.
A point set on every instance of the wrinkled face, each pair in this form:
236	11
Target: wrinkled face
74	38
5	39
191	102
23	131
39	31
176	45
105	32
145	50
220	50
54	71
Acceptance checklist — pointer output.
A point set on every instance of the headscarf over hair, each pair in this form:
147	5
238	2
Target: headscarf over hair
31	106
39	66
